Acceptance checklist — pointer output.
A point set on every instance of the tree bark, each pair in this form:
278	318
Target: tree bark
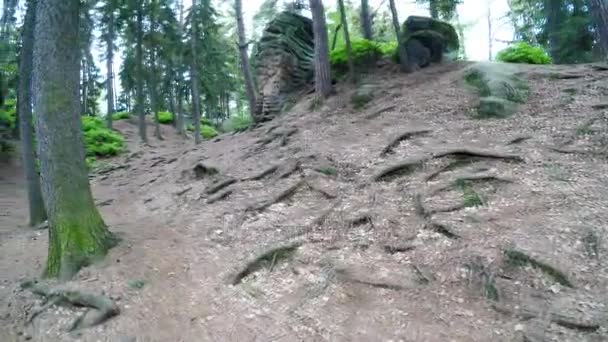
26	126
323	85
403	59
109	66
196	100
349	48
553	12
366	21
490	41
77	233
599	14
245	67
153	88
139	56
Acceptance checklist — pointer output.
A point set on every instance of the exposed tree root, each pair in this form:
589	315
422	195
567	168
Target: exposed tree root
111	168
399	169
288	169
394	249
518	139
519	258
421	210
101	307
449	167
217	186
183	191
599	67
361	219
401	137
565	321
442	229
219	196
281	196
424	277
472	152
267	259
272	135
320	220
265	173
315	187
380	112
347	275
158	161
468	178
201	171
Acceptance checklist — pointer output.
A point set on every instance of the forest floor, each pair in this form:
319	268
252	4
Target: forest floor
491	230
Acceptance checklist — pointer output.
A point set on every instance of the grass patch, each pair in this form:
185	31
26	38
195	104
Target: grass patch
237	123
523	53
328	170
137	284
518	258
100	141
470	196
121	116
165	117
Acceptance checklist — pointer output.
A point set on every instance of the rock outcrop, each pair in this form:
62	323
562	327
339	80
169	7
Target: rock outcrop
284	62
428	40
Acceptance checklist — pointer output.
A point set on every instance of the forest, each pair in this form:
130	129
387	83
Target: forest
171	170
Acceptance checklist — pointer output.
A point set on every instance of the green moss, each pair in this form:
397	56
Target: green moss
524	53
165	117
518	258
100	141
494	107
208	132
328	170
237	123
470	197
365	53
121	116
78	237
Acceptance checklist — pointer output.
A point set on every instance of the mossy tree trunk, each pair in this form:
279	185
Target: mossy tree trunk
77	233
599	13
403	60
139	80
34	192
243	45
366	21
323	85
349	48
196	100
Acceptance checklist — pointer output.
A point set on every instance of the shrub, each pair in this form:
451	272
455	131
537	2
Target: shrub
208	132
121	116
237	123
364	52
100	141
524	53
165	117
8	114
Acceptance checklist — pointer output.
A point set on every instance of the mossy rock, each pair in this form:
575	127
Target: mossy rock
430	37
447	31
494	107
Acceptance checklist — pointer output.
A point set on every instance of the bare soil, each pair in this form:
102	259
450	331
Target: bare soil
463	244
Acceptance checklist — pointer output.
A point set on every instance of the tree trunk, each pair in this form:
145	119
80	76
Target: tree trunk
403	60
36	204
77	233
180	113
246	68
196	100
489	18
553	13
109	67
599	14
366	21
323	85
139	57
434	8
153	88
85	87
349	48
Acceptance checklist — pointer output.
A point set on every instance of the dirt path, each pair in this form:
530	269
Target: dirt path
405	258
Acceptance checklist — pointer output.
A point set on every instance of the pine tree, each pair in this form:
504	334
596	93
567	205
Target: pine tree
366	21
323	86
403	59
349	48
243	46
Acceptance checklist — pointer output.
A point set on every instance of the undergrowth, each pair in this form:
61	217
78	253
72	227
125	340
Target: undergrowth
165	117
237	123
524	53
470	197
121	116
207	131
99	141
365	53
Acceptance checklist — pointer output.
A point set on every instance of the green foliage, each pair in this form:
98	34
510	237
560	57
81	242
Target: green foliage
121	116
524	53
470	196
208	132
100	141
165	117
364	53
388	49
237	123
8	115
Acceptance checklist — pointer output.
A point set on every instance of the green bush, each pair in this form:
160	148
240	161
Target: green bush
237	123
364	52
8	114
165	117
523	53
100	141
388	49
121	116
208	132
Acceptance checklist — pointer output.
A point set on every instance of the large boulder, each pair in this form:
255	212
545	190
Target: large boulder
284	62
428	40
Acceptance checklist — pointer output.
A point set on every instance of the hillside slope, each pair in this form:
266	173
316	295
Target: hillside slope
489	230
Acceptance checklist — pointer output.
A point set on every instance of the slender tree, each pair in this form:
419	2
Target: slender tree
366	21
108	22
349	48
77	233
403	59
36	204
194	86
243	45
599	14
139	62
323	85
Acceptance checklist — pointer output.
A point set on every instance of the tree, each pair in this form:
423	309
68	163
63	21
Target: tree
366	21
323	87
243	45
108	22
35	202
196	102
403	60
77	233
139	70
349	48
599	13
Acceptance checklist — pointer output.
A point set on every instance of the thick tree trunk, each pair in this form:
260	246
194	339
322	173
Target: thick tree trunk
109	67
196	100
553	13
403	60
323	85
77	233
243	45
366	21
139	56
599	14
85	87
349	48
34	192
